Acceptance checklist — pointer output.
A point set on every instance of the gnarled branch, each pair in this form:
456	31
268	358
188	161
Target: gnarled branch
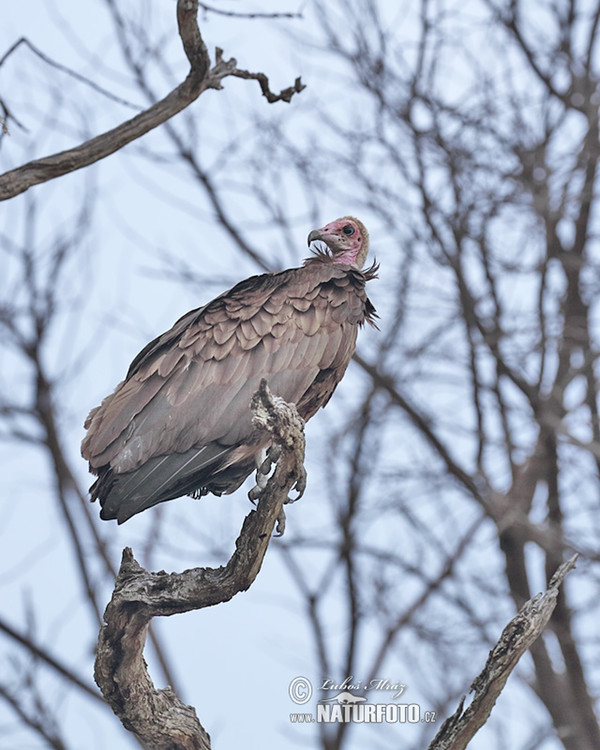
157	717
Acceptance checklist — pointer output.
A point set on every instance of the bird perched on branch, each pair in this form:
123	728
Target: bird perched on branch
180	422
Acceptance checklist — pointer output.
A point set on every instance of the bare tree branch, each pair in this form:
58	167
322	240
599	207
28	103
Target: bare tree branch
285	95
158	718
42	654
460	728
35	720
23	41
237	14
200	78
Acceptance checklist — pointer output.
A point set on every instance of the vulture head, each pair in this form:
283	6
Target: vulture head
346	238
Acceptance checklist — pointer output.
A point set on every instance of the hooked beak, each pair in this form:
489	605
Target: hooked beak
314	235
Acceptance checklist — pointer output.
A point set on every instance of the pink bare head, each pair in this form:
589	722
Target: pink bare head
346	238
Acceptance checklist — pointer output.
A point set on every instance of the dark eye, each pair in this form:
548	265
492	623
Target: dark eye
348	230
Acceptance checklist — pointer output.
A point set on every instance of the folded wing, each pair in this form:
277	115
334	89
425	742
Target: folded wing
180	422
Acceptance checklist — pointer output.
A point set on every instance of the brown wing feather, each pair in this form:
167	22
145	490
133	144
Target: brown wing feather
192	386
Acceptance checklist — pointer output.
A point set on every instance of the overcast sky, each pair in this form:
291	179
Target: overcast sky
236	661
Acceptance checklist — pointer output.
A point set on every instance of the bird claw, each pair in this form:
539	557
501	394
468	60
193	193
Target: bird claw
265	464
263	472
271	456
265	467
282	421
300	486
257	490
280	526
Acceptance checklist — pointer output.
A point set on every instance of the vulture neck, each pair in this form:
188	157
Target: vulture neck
347	258
327	258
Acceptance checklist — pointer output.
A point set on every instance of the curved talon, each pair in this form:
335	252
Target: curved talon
280	527
300	485
261	483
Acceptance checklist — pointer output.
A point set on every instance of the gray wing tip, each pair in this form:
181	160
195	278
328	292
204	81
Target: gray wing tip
166	478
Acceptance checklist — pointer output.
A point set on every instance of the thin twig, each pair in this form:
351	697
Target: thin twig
23	41
44	656
237	14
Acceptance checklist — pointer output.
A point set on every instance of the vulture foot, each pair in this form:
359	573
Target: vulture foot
265	461
284	459
300	486
262	478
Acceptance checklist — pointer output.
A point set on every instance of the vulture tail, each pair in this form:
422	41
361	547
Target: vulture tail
166	477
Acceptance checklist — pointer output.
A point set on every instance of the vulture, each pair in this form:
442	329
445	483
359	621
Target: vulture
180	423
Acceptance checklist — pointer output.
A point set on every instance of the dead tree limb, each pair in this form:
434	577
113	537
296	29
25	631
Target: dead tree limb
460	728
157	717
200	78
